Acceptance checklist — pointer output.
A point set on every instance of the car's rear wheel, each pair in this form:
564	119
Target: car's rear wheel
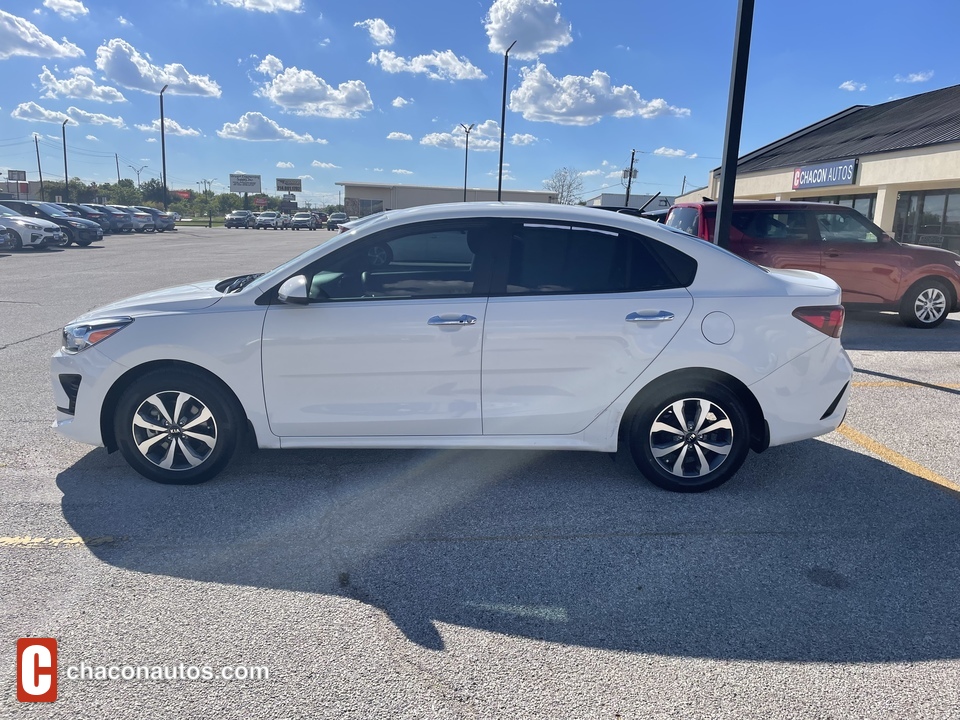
177	427
925	305
691	439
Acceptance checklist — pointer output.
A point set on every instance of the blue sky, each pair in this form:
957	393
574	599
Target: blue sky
374	91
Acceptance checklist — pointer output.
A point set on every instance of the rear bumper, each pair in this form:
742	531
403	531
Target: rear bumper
808	396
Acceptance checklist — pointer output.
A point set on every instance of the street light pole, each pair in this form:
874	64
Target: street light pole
137	171
66	177
163	149
503	116
466	155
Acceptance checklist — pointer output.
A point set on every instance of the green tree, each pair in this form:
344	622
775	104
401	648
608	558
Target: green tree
152	191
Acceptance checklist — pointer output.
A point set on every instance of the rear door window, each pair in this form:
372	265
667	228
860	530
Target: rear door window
685	219
774	226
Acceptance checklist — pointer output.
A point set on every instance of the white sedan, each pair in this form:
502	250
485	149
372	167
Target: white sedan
490	325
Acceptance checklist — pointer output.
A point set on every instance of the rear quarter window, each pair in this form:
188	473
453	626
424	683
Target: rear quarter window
685	219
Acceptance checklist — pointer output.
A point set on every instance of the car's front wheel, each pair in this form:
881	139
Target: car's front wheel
177	427
925	305
17	240
66	237
691	440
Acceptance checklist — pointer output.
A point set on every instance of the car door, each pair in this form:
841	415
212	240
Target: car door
856	256
775	237
576	313
381	351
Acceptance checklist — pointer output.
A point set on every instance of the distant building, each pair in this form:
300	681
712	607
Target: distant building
897	162
636	201
362	199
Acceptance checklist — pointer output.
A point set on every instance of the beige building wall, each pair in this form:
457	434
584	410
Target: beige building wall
885	174
396	197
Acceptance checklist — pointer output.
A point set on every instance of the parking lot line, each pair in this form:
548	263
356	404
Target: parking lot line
896	459
904	383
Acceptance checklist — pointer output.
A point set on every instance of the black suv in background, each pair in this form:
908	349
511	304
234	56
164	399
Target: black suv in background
119	221
240	219
76	229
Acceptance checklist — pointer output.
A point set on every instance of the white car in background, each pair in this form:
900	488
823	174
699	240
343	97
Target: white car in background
30	232
493	325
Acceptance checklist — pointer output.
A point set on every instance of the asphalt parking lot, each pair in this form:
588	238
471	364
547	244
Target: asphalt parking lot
822	581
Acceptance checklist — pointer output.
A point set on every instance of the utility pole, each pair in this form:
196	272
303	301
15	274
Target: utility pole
39	169
163	149
137	171
466	155
503	117
626	201
66	176
117	158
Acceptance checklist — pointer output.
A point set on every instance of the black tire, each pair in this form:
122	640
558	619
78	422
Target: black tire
17	240
379	256
926	304
84	243
205	407
68	237
689	460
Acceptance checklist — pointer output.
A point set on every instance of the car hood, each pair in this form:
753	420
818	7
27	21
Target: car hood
929	254
184	298
21	219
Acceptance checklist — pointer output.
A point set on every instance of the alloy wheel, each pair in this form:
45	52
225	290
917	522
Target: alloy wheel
691	437
174	430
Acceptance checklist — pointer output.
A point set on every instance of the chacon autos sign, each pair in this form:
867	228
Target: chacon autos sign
838	172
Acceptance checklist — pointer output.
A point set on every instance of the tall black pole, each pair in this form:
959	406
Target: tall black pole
66	177
503	117
39	169
163	149
626	200
731	141
466	155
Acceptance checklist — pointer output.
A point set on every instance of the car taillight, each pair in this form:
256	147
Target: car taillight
827	319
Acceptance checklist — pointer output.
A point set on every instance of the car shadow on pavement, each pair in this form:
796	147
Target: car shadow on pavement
866	330
792	560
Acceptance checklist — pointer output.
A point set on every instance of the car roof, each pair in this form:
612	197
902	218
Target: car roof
762	204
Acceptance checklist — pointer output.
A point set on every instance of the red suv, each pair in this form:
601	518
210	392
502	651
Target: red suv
872	269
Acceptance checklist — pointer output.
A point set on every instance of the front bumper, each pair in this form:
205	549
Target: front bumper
79	383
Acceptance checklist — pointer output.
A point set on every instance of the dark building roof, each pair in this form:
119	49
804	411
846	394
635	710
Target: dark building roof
919	121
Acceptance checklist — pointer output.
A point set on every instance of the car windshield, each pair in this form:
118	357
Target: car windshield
7	212
303	216
52	210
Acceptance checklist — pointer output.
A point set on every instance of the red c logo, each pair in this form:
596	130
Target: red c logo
36	669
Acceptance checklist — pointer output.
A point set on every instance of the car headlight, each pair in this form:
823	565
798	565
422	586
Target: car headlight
79	336
76	224
27	225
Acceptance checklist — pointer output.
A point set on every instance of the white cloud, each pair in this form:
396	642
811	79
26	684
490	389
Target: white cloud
536	25
399	136
21	37
324	165
80	85
614	174
93	138
271	66
301	92
381	33
283	164
152	140
852	86
66	8
692	156
591	173
437	65
916	77
402	172
399	102
670	152
378	169
123	21
123	64
305	177
170	127
484	137
34	112
578	100
522	139
266	5
256	127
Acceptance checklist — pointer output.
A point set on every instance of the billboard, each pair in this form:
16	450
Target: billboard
20	175
289	185
240	183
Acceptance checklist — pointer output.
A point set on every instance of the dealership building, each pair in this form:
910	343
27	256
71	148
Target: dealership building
361	198
898	163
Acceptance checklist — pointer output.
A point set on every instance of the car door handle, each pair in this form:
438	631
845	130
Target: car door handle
452	320
661	316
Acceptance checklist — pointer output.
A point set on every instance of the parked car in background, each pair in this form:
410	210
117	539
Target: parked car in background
240	219
321	216
561	328
31	232
76	229
89	213
142	221
874	271
285	220
269	219
162	221
305	220
335	219
120	221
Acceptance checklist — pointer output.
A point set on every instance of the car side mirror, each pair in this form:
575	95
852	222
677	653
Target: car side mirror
294	291
886	238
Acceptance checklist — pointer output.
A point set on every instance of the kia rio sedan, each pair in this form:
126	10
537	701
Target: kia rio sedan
492	325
